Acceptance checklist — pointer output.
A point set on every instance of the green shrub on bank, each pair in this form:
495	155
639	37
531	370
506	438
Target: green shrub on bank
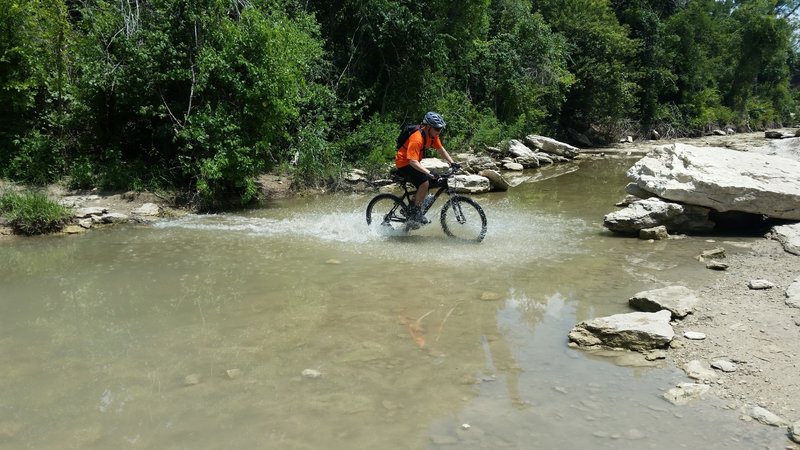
32	213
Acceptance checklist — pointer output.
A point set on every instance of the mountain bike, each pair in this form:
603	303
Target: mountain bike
461	217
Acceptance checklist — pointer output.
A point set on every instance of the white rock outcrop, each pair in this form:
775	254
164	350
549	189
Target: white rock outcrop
471	184
552	146
722	179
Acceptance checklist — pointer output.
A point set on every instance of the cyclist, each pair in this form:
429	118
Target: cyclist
409	157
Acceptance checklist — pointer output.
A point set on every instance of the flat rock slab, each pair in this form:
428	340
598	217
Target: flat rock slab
678	300
722	179
653	212
639	331
700	371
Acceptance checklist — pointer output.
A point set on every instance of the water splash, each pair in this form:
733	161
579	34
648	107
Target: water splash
514	235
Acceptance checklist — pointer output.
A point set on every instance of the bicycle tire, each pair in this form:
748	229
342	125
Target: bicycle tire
389	211
462	218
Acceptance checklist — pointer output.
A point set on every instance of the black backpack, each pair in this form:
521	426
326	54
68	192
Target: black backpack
407	131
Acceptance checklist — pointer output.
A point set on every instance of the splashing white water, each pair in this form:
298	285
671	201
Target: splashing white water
514	236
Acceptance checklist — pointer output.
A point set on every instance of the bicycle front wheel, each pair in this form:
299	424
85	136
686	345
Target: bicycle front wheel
464	219
388	212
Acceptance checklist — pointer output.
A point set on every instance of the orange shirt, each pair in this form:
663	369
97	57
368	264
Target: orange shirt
414	148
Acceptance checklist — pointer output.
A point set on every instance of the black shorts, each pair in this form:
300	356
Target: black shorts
413	175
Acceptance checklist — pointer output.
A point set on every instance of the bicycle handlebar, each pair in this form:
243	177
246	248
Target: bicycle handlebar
449	173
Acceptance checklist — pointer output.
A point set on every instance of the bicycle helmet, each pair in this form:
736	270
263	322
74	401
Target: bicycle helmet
434	119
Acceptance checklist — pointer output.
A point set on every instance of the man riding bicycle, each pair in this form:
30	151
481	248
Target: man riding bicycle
409	157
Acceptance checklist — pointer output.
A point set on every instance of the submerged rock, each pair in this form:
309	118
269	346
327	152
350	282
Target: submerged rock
685	393
763	415
311	373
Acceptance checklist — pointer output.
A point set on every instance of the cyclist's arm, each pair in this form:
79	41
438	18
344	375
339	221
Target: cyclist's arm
444	155
437	145
418	167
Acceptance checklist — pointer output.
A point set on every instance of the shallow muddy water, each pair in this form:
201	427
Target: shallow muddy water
195	333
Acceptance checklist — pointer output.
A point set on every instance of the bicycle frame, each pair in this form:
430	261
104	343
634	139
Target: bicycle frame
408	195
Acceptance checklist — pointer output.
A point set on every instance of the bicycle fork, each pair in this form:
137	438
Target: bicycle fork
459	213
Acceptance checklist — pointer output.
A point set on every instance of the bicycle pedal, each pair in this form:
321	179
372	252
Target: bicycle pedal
412	225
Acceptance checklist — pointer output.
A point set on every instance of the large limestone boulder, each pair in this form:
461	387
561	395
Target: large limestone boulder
652	212
552	146
470	184
435	165
722	179
476	164
520	150
638	331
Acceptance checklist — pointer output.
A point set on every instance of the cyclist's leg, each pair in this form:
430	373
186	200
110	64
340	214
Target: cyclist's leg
420	181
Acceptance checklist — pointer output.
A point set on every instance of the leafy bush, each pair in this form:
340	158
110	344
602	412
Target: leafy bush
32	213
371	145
317	162
38	159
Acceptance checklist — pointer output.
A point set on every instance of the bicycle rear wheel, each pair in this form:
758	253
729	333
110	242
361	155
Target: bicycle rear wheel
464	219
388	212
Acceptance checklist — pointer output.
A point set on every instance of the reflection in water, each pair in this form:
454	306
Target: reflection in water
196	333
545	395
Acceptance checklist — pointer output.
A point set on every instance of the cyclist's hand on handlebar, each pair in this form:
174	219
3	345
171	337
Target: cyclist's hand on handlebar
455	167
432	176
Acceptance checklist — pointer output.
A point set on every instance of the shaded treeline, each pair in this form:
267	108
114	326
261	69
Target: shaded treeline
203	95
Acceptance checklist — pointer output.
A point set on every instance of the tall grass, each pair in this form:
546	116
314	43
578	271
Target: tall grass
31	213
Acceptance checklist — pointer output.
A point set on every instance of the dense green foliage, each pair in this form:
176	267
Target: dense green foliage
203	95
32	213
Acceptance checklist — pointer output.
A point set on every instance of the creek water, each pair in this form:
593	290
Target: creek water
195	333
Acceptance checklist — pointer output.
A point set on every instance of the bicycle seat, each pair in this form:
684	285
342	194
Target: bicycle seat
395	176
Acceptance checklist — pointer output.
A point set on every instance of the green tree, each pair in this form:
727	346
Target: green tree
761	40
520	72
34	38
203	92
600	54
652	66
